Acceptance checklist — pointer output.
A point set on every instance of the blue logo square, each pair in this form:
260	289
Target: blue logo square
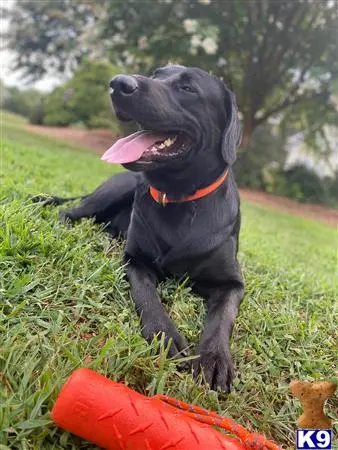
314	439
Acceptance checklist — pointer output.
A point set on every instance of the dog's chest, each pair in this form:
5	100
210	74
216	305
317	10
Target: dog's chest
175	238
159	234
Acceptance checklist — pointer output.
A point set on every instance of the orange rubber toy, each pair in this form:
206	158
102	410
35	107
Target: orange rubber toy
114	417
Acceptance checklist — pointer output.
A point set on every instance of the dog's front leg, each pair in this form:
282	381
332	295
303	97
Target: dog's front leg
214	348
148	305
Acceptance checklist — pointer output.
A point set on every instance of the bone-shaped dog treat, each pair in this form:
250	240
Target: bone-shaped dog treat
312	397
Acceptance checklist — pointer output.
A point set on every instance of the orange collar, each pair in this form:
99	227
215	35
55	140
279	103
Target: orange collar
162	199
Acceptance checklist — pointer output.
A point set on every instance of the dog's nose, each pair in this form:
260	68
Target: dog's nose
125	84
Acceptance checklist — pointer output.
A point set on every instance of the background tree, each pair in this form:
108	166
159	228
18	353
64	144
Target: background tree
278	56
18	101
275	55
83	99
50	36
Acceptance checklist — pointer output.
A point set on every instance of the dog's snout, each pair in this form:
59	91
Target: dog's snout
125	84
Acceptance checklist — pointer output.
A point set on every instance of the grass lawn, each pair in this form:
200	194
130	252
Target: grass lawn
64	304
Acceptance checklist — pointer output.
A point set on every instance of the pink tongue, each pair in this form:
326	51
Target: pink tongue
132	147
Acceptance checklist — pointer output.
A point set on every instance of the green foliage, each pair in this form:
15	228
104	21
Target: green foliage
304	185
65	303
315	121
256	165
100	122
277	55
56	109
19	101
83	99
46	35
262	166
87	92
36	116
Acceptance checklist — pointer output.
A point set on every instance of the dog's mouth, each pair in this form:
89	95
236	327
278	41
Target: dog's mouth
148	146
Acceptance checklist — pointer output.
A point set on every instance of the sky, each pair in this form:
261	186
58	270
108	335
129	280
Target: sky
15	79
6	73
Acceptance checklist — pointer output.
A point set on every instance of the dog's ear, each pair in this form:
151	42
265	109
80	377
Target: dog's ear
232	133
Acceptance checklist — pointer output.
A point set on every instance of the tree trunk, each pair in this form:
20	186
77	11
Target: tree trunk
248	128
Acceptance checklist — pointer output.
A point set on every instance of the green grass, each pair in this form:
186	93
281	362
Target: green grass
64	304
9	118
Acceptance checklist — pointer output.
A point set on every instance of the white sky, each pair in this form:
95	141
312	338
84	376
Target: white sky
6	73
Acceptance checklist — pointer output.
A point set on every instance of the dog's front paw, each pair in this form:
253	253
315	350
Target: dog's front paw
216	364
178	344
65	218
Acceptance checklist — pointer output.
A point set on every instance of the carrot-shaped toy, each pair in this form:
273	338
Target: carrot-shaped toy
115	417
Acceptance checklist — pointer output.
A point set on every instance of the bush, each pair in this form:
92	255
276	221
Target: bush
83	99
18	101
303	184
57	111
333	190
36	116
261	166
257	163
99	122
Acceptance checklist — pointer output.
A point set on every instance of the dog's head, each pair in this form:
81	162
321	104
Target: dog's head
182	112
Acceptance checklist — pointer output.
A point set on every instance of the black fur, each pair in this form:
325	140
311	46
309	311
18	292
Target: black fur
198	238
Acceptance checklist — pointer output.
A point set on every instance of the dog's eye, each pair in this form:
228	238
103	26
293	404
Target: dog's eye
187	88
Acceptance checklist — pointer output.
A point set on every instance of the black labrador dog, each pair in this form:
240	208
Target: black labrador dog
178	207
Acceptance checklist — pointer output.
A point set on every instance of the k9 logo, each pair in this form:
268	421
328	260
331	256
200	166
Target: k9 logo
314	439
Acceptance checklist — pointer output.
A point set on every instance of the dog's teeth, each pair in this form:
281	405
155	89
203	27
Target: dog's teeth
168	142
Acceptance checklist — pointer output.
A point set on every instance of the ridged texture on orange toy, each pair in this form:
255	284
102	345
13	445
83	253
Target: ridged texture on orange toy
115	417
